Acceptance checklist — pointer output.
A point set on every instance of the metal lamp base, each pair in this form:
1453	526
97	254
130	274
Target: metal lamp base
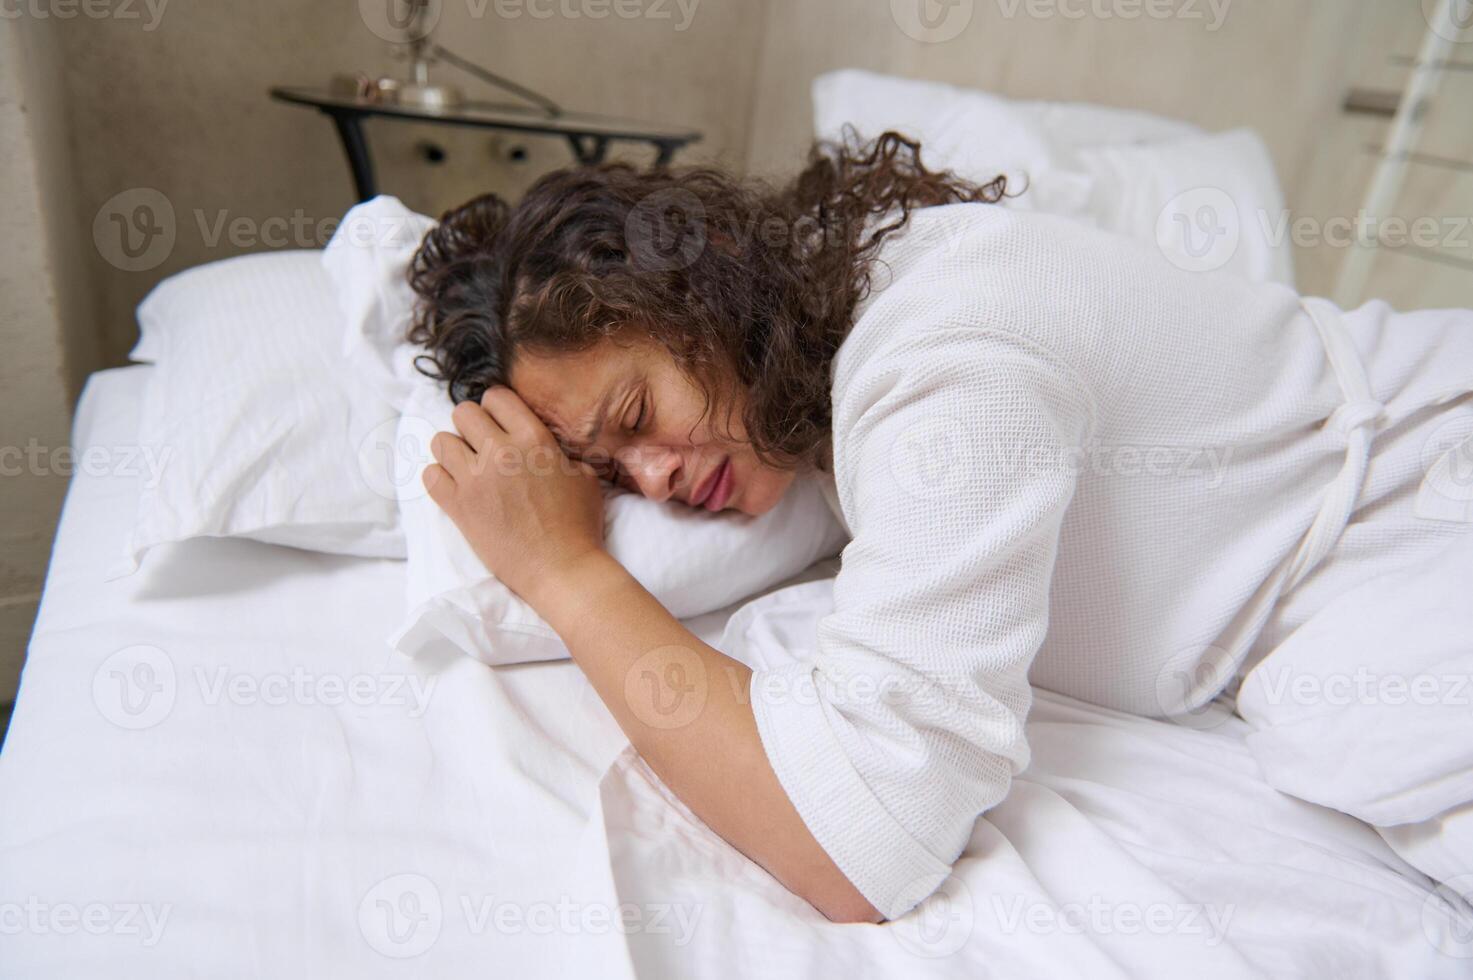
427	96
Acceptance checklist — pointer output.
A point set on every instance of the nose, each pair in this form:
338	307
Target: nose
655	471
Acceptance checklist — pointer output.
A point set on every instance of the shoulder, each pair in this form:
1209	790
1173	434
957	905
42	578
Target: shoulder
960	284
936	235
970	265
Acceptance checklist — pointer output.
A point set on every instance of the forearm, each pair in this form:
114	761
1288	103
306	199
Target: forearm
684	705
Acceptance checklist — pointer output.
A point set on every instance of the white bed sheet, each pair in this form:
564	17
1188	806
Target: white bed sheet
465	821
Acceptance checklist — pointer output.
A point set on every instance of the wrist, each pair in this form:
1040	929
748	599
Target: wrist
570	576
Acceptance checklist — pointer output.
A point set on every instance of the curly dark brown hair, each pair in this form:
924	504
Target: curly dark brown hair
751	287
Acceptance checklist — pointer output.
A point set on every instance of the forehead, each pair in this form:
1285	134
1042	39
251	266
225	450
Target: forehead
565	389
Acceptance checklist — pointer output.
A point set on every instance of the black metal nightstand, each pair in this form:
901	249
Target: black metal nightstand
588	134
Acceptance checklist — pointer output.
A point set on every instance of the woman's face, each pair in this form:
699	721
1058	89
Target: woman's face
627	408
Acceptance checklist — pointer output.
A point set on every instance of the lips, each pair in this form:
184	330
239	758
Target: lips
715	489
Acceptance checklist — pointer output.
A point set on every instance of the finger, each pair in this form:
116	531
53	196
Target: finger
476	426
438	483
452	453
513	414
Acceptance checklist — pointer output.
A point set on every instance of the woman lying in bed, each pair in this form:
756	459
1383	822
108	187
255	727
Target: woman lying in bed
1062	461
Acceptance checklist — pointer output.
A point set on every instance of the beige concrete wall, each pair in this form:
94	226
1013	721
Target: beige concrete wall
1281	67
46	324
182	108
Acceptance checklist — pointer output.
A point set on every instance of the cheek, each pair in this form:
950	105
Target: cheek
765	487
687	417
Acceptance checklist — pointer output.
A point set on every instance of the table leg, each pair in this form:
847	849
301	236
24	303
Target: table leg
590	153
355	146
666	152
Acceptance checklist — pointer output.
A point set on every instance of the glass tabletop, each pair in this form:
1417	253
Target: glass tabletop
493	114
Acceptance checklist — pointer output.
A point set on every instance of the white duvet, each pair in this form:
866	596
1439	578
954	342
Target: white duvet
217	768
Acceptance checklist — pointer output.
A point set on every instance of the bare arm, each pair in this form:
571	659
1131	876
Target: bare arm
684	706
682	703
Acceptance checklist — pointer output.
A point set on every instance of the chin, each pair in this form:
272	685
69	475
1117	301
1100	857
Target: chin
762	490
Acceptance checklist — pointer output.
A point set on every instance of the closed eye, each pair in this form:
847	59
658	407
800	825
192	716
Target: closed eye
642	418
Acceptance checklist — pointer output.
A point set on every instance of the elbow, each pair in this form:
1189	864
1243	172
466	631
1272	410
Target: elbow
855	915
842	903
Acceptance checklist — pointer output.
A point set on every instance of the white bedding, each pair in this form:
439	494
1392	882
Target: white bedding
313	804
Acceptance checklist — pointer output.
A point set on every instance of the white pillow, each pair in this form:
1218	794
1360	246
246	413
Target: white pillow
1365	707
692	561
368	262
261	430
973	133
1207	201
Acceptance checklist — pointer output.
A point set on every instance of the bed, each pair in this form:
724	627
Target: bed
219	768
221	765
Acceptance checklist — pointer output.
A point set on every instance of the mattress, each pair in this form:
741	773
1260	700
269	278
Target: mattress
218	768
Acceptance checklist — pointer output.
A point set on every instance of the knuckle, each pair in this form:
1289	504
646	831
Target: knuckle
464	412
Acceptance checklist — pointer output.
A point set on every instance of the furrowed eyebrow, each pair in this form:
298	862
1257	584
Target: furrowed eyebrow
590	432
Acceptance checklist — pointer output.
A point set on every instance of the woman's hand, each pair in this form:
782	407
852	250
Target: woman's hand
526	508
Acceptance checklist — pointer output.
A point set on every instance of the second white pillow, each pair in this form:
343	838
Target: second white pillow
259	428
